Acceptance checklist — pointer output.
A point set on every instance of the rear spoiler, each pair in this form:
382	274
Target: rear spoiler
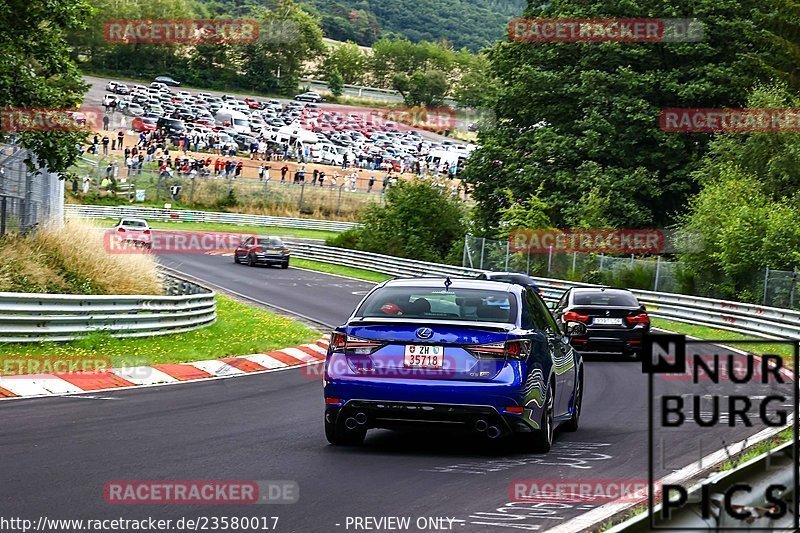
497	326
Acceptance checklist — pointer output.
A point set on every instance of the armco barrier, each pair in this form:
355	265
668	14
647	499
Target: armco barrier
64	317
748	319
182	215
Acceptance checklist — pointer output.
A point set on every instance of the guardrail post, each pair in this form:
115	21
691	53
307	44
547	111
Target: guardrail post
658	272
528	261
483	247
507	250
574	259
3	215
791	291
549	258
766	286
464	255
602	260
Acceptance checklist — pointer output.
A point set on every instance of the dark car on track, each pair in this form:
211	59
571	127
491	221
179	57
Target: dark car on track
255	251
512	277
480	357
615	320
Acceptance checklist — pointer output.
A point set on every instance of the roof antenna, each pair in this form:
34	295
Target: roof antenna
447	283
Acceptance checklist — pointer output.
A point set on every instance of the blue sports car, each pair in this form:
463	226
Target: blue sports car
479	356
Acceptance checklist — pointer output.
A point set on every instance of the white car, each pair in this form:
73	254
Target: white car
135	231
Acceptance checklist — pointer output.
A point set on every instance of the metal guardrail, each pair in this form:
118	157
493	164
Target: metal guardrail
182	215
747	319
185	306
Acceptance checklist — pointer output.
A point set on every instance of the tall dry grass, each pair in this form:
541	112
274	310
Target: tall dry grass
73	260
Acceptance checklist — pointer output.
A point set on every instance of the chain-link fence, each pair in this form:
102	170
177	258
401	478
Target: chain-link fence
777	288
28	198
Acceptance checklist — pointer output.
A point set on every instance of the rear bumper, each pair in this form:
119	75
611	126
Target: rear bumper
267	259
410	415
394	403
610	341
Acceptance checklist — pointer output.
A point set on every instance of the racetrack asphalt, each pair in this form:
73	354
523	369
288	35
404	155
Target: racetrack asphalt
58	453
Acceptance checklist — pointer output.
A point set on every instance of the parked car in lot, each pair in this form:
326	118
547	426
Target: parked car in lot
309	96
144	124
255	251
512	277
167	80
615	320
117	87
132	110
133	231
482	357
172	126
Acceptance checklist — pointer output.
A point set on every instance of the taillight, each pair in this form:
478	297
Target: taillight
641	318
572	316
121	230
342	343
356	346
337	341
147	232
501	350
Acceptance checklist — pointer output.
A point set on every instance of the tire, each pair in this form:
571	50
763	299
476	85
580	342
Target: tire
338	436
285	264
236	258
543	438
251	262
574	421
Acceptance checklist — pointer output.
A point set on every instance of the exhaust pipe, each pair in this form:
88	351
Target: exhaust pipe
361	418
350	423
493	432
481	425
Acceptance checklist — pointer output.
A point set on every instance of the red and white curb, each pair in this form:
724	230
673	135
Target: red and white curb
33	385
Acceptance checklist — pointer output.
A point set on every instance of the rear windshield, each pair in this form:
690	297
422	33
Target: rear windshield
605	298
270	241
473	305
134	223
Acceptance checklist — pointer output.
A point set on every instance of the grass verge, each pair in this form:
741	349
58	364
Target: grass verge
240	329
358	273
72	260
227	228
705	332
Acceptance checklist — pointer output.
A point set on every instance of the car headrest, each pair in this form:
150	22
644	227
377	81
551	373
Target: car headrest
492	311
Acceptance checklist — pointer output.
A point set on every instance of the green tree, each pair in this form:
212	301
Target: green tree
772	158
422	88
579	117
418	220
276	63
348	60
743	231
36	71
335	82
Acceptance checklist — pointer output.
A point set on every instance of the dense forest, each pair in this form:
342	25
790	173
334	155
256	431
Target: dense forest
473	24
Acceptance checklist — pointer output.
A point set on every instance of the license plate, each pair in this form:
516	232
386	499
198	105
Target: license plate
426	356
608	321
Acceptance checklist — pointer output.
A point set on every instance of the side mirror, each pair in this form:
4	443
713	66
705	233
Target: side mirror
552	304
576	329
